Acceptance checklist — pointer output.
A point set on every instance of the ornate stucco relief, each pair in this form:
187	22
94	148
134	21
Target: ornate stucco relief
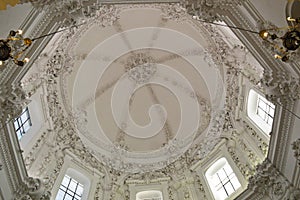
296	148
268	181
60	64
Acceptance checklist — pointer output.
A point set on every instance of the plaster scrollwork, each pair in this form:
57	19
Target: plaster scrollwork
171	193
186	194
174	12
200	186
12	101
296	148
99	191
280	86
268	181
30	157
208	9
32	188
261	144
244	168
69	11
140	68
52	175
252	157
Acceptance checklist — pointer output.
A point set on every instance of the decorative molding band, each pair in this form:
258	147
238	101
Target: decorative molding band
280	139
261	144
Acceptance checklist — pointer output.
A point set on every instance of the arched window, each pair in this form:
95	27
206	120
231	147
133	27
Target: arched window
74	186
260	111
149	195
222	179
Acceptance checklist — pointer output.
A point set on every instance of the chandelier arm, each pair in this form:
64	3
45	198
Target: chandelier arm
21	52
53	33
276	46
225	25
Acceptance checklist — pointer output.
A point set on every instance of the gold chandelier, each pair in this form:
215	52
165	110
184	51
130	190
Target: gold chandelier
285	47
14	46
290	41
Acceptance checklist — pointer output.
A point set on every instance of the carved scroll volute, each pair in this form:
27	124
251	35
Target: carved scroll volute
268	181
33	188
209	9
281	87
12	100
296	148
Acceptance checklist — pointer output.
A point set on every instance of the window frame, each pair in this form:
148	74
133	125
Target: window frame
252	112
267	111
212	170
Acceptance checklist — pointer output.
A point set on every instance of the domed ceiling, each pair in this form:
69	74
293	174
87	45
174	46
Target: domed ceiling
144	84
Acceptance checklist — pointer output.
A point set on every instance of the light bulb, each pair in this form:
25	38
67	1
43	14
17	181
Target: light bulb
277	56
19	32
290	19
263	34
26	60
1	63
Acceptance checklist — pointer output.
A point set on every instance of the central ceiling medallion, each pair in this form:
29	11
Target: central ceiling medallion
140	67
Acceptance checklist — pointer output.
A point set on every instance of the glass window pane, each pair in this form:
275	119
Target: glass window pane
229	188
72	185
19	134
68	197
60	195
26	126
16	124
228	169
79	190
24	117
223	181
70	192
262	104
222	194
271	112
235	182
270	121
66	181
216	181
77	197
69	189
22	123
261	113
265	110
272	105
221	174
